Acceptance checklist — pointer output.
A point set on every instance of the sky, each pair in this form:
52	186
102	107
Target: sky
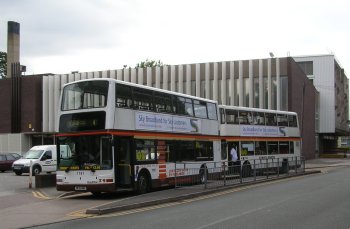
95	35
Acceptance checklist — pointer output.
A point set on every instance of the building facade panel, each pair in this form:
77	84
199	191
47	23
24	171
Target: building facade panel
323	79
5	105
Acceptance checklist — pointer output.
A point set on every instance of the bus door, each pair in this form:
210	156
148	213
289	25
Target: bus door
122	157
234	157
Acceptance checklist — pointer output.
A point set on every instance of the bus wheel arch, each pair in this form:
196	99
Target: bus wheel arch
144	184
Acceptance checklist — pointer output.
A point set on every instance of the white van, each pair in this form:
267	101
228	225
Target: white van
44	159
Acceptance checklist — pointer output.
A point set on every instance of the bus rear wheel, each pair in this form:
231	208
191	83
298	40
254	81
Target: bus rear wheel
143	184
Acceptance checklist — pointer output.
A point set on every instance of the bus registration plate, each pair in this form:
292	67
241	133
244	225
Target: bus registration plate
80	188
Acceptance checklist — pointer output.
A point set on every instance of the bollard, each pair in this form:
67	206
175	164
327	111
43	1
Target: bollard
30	173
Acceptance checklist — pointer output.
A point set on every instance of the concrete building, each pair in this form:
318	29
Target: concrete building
329	78
274	83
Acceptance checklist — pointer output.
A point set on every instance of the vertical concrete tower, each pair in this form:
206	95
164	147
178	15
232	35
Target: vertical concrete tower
13	42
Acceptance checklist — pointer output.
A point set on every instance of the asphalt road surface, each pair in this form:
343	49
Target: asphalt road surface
316	201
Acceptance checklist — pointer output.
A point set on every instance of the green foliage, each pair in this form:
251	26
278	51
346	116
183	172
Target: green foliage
3	64
149	63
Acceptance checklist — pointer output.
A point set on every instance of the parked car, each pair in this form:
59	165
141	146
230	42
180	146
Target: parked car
16	155
6	160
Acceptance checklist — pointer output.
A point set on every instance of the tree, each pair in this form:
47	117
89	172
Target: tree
3	64
149	63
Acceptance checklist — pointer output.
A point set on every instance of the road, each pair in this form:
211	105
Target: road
21	207
316	201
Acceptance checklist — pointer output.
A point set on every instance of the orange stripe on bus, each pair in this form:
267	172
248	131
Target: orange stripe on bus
162	176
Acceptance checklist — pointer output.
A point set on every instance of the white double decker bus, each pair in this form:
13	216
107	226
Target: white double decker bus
261	138
115	135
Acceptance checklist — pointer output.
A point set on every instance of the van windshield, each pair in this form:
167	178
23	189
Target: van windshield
33	154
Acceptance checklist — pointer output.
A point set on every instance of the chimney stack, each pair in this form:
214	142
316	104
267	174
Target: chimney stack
13	46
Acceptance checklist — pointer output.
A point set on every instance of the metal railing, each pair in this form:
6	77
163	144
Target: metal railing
217	174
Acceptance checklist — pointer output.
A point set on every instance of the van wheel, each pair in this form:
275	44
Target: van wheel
18	173
143	184
36	170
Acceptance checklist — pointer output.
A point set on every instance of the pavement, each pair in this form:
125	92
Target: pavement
188	192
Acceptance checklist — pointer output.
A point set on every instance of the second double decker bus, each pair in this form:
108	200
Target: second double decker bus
261	138
116	135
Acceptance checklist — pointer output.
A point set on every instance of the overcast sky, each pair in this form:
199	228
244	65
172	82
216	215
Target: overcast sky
93	35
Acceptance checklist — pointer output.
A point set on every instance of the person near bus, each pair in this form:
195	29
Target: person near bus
234	160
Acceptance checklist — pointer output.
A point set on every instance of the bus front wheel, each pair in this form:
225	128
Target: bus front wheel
143	184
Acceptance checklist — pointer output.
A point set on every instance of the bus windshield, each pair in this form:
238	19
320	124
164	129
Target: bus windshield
87	152
84	95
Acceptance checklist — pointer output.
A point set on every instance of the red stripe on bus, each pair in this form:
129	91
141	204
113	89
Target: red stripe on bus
262	139
162	166
162	176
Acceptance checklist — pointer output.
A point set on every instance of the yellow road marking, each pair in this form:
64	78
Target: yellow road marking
40	195
75	195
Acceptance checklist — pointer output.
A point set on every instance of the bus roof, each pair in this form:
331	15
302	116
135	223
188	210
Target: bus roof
144	87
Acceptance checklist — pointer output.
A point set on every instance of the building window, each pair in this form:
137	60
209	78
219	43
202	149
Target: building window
307	67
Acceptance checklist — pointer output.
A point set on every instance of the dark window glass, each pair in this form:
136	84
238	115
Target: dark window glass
291	149
143	99
200	109
232	117
212	111
272	148
258	118
163	102
2	158
186	151
284	147
245	117
260	148
292	119
123	96
282	120
184	106
270	119
82	121
204	151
